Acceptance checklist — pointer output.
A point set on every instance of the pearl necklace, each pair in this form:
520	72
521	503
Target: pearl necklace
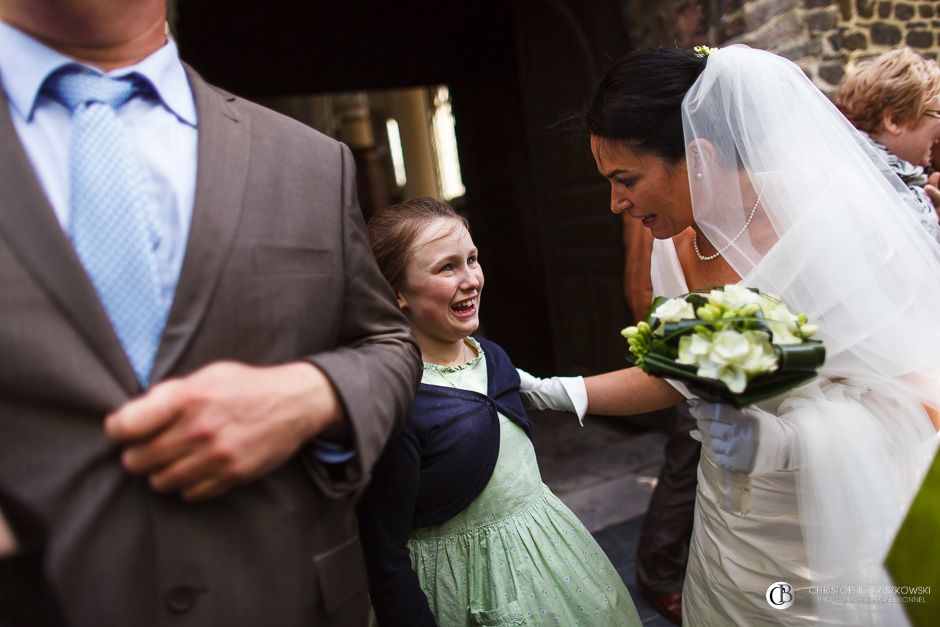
702	257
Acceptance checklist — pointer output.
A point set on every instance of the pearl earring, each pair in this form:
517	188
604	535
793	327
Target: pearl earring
698	175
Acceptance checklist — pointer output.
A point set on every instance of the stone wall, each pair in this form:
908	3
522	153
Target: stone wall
827	37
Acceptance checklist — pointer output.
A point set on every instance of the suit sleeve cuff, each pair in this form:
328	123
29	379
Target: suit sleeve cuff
331	452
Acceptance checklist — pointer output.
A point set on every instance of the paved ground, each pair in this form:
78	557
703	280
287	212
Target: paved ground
619	542
605	472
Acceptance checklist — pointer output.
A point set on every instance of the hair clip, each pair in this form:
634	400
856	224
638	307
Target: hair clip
704	51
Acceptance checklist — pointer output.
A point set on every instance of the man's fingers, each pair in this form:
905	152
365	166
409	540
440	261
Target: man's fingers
208	489
222	464
185	473
190	433
221	426
145	416
163	449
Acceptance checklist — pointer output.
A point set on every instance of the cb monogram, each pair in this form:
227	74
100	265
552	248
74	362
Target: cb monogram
779	595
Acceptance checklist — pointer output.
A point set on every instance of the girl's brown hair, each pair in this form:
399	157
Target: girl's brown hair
393	232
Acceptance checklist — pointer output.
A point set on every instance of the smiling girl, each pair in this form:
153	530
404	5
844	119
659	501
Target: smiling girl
457	526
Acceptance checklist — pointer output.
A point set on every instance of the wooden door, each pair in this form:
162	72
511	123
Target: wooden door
562	46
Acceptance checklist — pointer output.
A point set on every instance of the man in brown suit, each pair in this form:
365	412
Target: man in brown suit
217	489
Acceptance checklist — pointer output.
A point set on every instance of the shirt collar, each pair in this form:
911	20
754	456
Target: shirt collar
165	72
907	171
25	63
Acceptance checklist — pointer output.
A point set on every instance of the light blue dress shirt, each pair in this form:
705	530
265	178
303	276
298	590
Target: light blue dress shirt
165	133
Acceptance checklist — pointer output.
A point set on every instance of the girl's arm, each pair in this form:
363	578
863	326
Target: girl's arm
628	391
386	512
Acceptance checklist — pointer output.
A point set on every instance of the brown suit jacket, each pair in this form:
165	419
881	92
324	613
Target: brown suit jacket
277	268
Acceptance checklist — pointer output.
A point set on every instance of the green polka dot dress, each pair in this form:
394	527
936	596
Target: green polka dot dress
517	555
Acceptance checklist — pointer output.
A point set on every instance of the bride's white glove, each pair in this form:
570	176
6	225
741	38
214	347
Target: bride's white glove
747	441
558	393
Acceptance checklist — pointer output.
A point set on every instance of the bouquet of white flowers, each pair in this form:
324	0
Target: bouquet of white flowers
731	345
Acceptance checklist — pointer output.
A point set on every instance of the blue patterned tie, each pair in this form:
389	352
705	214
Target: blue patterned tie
110	222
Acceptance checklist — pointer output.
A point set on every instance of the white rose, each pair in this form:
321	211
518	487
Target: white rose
782	322
734	297
761	357
732	375
729	347
712	370
733	356
693	349
674	310
734	378
725	360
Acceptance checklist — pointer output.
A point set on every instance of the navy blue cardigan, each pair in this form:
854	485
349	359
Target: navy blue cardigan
430	472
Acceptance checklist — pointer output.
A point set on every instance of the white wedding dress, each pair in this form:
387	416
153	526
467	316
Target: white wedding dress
733	559
833	238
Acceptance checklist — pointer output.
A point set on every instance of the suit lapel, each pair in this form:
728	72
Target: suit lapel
220	186
32	231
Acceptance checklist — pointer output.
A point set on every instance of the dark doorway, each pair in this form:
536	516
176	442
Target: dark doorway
550	248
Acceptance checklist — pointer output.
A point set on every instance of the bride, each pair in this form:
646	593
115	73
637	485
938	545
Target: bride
745	173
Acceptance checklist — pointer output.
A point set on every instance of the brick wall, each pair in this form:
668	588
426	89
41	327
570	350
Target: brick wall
826	37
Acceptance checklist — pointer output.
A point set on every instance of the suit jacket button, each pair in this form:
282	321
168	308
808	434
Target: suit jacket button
180	599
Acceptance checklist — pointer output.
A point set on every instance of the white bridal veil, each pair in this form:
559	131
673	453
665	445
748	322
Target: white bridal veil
833	237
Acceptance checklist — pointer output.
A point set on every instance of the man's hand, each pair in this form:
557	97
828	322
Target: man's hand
224	425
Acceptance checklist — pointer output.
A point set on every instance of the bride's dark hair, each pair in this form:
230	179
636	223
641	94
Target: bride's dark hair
639	100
